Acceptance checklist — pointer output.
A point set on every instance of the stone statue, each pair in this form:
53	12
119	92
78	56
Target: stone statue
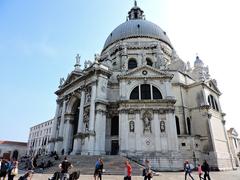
97	58
86	120
143	54
147	122
162	126
88	96
131	126
61	81
78	59
87	63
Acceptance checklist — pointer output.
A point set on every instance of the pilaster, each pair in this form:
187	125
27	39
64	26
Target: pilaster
54	129
77	139
68	134
92	120
156	129
100	131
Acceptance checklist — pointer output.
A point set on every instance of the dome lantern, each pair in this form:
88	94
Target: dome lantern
136	12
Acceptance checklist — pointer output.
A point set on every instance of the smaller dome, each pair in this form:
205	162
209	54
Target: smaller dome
198	62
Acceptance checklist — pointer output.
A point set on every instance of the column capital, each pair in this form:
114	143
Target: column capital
69	117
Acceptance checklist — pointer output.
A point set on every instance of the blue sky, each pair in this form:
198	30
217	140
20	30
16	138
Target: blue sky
40	39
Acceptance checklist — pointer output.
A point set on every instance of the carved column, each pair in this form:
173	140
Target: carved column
123	122
139	131
92	119
80	120
100	131
60	134
77	140
54	129
62	119
156	130
68	134
92	107
171	131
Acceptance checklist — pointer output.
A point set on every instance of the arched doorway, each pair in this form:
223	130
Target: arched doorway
114	135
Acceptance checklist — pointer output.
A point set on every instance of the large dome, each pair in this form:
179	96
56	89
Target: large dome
136	28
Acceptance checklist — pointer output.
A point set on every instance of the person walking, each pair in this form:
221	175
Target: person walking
13	170
127	171
4	169
65	166
206	169
188	170
147	171
98	169
200	171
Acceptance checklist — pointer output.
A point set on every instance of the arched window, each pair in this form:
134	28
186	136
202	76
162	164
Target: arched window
177	125
156	93
149	62
145	91
135	93
132	63
189	126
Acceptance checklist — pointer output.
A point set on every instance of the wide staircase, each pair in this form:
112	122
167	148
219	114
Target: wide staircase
113	165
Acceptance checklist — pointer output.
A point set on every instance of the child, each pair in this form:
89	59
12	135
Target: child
200	171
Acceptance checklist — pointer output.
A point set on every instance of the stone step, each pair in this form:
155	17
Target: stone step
113	165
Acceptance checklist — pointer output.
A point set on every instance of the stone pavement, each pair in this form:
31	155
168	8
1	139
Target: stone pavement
226	175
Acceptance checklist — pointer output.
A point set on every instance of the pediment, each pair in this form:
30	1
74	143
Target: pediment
145	72
213	85
71	77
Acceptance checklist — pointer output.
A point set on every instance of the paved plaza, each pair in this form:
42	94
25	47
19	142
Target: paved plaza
227	175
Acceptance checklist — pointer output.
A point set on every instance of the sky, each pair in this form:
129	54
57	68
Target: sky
40	39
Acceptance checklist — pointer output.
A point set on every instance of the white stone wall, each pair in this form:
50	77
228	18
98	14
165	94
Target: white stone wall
10	148
39	135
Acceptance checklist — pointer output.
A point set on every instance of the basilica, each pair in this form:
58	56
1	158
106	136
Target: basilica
140	100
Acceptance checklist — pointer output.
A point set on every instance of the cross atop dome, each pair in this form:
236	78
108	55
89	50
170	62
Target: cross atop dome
136	12
135	3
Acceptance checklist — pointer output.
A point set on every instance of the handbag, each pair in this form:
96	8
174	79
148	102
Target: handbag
14	172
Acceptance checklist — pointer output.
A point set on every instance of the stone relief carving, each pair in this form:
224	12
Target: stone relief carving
162	126
131	126
88	96
161	62
147	117
86	120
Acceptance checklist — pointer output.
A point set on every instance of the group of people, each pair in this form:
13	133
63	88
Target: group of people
204	168
65	165
8	168
147	172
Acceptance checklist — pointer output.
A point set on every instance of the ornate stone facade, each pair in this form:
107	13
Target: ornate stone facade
140	100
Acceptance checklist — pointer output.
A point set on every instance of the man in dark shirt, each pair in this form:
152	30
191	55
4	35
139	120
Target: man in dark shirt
65	166
206	169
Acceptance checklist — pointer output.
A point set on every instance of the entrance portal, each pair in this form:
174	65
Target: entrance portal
114	147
